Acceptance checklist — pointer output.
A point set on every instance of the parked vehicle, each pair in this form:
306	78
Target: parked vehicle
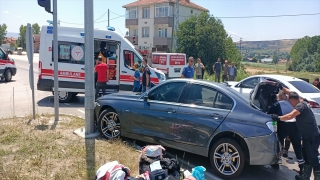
304	89
120	57
7	66
171	64
204	118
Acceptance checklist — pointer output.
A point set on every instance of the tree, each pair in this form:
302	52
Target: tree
22	36
204	36
3	32
36	28
275	59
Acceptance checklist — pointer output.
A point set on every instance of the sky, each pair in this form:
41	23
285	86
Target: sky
71	13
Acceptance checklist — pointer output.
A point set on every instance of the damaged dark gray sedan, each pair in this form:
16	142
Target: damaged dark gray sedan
195	116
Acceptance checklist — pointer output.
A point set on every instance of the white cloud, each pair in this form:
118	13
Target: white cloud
6	12
18	16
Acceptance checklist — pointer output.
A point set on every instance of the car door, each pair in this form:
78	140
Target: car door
155	116
3	62
202	110
245	87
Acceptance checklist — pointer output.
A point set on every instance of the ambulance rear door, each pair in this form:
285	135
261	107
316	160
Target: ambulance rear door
176	64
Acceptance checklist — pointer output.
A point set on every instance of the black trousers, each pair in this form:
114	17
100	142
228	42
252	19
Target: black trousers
310	152
290	129
101	86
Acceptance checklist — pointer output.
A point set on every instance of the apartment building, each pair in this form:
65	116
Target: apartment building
151	22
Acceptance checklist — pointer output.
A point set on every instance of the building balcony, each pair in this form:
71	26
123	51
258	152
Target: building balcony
164	20
130	39
131	22
162	41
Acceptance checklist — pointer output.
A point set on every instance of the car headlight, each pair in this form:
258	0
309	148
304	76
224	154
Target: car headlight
272	126
96	104
163	77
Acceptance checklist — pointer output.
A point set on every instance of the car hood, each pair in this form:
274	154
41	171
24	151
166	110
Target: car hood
120	95
231	83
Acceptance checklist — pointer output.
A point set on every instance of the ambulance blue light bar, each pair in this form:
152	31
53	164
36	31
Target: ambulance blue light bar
111	28
108	36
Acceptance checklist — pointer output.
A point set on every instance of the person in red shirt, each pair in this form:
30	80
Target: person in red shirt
102	70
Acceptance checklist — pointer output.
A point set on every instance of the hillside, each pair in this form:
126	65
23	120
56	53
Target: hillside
283	45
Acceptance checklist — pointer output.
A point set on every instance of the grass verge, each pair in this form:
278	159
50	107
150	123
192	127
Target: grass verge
39	149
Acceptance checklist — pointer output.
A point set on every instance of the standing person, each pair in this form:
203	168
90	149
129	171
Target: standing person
316	83
136	78
287	128
233	72
145	76
226	70
309	131
199	67
203	70
217	70
102	79
188	71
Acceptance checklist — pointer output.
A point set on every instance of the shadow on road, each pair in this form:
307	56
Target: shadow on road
4	82
77	101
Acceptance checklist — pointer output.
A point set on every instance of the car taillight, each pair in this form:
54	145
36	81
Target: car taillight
314	104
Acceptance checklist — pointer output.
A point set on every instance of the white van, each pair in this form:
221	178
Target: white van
171	64
121	57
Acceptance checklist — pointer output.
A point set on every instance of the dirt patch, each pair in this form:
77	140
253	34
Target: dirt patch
45	149
254	70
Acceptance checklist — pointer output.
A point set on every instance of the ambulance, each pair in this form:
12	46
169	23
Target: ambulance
121	58
7	66
171	64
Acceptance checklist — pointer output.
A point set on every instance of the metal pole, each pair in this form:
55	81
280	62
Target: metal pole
55	57
14	112
32	91
108	18
89	78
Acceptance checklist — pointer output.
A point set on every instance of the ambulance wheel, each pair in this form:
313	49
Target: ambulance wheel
8	75
65	97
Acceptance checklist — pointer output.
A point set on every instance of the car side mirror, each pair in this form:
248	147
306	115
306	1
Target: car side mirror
145	97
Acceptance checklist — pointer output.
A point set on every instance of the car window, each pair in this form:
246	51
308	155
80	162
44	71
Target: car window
223	102
2	55
250	83
304	87
207	97
168	92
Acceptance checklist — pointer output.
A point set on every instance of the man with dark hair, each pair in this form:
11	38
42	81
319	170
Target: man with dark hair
217	70
309	131
316	83
287	128
102	76
188	71
145	76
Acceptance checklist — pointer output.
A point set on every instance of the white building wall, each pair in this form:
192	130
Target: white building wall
146	22
185	12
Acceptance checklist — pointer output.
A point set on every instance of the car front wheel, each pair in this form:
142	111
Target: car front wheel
109	124
227	158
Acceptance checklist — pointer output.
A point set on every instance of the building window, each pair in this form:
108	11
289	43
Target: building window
162	32
191	11
132	13
146	12
163	10
145	32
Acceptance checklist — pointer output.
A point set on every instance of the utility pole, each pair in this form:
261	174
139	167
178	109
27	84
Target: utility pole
89	77
108	17
176	25
55	57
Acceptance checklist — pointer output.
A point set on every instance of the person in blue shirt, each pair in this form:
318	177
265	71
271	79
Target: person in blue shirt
188	71
136	77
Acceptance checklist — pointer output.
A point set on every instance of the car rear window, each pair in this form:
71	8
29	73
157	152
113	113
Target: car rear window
304	87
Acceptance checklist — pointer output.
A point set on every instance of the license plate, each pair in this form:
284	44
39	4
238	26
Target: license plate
177	69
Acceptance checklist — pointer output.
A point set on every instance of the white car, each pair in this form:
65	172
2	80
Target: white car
303	88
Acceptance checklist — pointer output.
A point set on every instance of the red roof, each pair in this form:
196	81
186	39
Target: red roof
149	2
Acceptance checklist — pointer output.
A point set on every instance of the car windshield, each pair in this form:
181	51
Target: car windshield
304	87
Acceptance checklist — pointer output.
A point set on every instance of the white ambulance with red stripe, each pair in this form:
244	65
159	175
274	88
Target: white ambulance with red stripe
171	64
7	66
121	57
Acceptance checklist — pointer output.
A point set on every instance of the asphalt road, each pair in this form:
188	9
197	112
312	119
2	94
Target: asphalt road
16	101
